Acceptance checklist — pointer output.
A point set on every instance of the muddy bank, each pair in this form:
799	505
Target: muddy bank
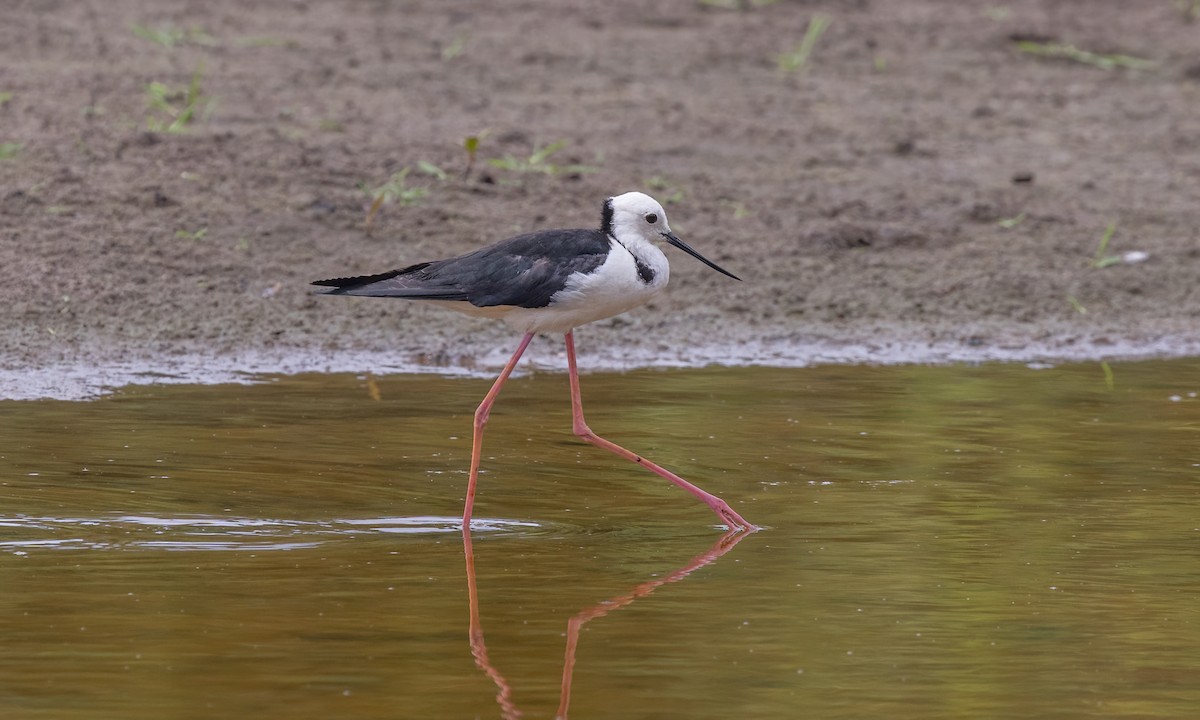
84	380
924	189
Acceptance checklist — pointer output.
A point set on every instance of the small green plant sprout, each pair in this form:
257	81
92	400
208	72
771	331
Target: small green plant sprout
1102	258
1070	52
5	97
192	234
1109	378
455	47
669	191
537	162
396	189
471	146
738	207
797	60
1011	222
198	36
170	36
165	35
1079	308
8	151
264	41
432	170
172	110
736	4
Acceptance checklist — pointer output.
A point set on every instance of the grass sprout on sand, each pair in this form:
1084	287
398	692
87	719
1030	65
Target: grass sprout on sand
797	60
537	162
1011	222
1102	259
471	146
1070	52
455	47
737	208
171	109
192	234
433	170
8	151
670	191
735	4
170	36
396	189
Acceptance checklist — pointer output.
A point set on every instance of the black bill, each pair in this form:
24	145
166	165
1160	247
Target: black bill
688	249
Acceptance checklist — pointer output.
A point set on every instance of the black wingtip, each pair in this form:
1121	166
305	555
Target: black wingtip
333	282
349	283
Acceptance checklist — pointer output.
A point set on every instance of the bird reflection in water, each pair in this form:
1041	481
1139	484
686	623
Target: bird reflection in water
504	695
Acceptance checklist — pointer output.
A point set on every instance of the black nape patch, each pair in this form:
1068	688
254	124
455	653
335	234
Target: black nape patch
645	272
606	216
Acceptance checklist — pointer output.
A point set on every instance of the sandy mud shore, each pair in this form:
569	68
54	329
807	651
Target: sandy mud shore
935	181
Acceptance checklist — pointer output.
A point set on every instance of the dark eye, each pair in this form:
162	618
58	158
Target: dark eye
651	218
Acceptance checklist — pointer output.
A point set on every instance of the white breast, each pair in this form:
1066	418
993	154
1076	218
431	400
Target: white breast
609	290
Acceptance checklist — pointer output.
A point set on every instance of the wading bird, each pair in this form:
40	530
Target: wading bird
551	281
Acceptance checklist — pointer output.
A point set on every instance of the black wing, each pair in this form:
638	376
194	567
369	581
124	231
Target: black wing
524	271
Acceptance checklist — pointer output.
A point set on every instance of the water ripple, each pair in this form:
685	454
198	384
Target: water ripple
21	533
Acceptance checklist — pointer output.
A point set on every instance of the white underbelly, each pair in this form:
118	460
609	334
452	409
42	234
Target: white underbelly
613	288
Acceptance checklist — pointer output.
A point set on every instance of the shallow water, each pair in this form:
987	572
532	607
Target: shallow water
968	541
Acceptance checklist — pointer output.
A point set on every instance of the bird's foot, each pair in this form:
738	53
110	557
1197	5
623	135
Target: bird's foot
732	518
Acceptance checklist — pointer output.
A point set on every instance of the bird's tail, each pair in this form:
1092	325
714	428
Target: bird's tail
407	282
347	285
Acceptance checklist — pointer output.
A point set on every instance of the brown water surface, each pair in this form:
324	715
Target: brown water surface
985	541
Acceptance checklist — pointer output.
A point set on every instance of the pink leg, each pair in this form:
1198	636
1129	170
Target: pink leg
716	504
481	418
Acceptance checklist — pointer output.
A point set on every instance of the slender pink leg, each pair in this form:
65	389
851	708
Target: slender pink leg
481	418
716	504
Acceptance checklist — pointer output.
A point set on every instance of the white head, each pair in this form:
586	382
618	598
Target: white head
636	216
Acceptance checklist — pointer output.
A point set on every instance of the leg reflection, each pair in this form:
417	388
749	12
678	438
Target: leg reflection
508	709
726	543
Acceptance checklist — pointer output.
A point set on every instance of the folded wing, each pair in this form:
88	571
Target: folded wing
524	271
